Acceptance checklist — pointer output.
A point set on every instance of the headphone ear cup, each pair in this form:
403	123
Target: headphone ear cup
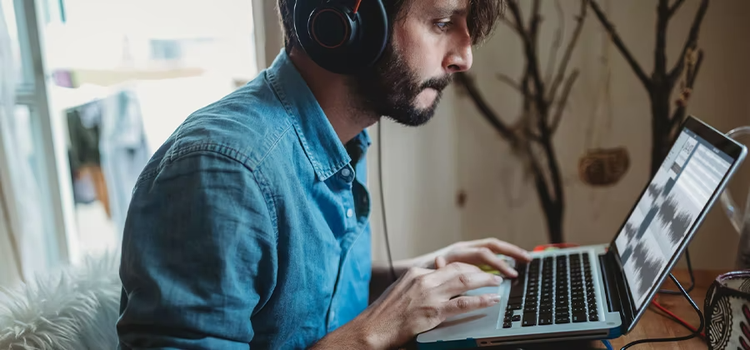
319	33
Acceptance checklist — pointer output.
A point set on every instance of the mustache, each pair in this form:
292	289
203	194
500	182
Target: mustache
439	84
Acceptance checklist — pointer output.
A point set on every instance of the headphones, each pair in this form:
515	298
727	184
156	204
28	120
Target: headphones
342	36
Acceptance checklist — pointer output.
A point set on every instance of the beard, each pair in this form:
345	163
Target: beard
390	89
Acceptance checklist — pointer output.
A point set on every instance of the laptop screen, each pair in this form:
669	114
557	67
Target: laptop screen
668	208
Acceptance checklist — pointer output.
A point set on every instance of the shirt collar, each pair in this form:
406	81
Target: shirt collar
316	134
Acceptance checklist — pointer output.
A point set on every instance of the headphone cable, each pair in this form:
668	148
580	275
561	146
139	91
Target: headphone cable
382	199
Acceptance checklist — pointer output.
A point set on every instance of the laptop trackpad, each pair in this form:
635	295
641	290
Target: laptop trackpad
482	316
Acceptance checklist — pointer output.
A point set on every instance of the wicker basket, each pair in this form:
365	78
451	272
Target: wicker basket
727	311
604	167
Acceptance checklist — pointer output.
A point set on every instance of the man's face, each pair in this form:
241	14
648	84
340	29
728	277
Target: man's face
430	42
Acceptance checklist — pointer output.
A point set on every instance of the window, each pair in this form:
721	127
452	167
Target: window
27	153
10	13
103	83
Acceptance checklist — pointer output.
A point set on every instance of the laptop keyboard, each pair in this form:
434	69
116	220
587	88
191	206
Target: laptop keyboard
552	290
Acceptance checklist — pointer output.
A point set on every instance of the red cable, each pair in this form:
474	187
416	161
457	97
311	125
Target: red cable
683	322
356	7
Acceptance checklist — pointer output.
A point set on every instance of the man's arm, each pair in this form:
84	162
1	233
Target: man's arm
198	257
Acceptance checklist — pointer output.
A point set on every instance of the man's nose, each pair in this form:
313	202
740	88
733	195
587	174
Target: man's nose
461	57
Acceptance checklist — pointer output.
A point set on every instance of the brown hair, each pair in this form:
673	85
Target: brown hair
483	15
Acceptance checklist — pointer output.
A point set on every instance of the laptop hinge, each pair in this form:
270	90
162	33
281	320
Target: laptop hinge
618	298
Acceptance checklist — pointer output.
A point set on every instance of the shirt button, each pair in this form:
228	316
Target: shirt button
349	213
346	172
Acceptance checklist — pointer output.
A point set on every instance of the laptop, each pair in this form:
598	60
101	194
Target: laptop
601	291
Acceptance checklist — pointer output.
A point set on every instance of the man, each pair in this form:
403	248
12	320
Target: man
249	227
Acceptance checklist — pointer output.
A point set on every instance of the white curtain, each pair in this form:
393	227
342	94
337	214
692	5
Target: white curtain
9	259
22	248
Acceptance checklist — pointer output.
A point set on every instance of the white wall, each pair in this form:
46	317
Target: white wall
457	151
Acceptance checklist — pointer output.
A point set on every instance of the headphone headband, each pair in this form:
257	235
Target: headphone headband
342	36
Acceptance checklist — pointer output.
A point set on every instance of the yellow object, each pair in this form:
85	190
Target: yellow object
488	269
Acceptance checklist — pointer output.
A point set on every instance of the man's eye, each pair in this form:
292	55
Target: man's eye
443	25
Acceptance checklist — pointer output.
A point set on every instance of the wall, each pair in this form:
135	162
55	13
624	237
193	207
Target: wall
426	168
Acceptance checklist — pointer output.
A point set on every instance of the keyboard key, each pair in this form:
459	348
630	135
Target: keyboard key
516	318
529	319
593	318
562	320
507	324
578	317
543	321
516	290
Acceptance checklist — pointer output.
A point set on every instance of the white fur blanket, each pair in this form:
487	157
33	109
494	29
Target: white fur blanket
75	309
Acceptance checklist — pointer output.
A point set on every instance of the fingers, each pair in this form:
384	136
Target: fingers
483	256
465	304
488	257
500	247
458	278
440	262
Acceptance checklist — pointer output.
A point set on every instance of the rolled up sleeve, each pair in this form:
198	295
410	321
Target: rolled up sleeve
198	256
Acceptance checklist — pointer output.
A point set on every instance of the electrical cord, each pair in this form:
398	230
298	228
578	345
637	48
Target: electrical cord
664	340
382	199
677	319
692	278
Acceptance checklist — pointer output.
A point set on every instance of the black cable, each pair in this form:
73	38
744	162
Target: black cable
382	198
665	315
692	278
664	340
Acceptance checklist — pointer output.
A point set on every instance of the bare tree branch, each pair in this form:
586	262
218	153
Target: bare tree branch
556	42
694	72
660	52
620	45
679	113
509	81
690	44
532	62
511	24
561	71
567	88
534	24
675	7
486	111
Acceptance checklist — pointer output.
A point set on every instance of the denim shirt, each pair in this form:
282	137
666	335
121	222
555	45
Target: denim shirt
249	226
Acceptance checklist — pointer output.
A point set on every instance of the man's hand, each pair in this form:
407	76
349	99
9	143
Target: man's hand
420	300
478	252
